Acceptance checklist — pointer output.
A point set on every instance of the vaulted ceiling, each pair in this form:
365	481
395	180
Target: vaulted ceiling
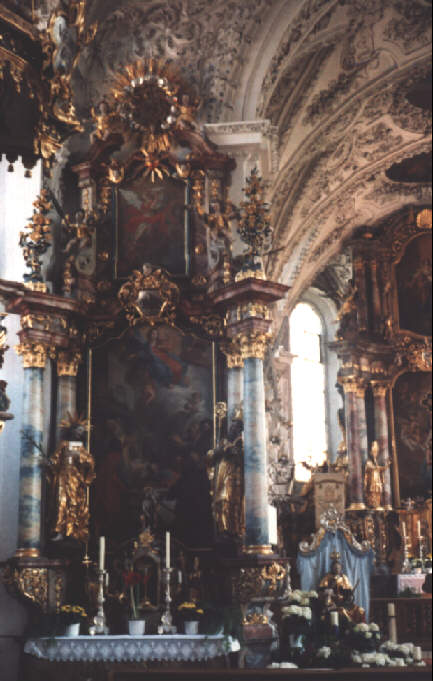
343	82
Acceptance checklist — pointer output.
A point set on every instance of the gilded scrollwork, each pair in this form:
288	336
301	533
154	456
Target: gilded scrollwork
150	297
3	335
254	345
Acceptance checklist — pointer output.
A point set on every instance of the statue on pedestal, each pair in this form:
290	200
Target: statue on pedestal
374	479
337	594
225	470
71	472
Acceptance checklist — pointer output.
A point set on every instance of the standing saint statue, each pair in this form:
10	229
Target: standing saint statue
374	479
71	472
225	470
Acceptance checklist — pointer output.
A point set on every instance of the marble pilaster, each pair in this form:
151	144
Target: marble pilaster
67	369
382	437
29	513
361	285
255	458
377	303
235	382
356	481
362	423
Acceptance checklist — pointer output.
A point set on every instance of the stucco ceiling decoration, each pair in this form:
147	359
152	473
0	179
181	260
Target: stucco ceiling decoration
338	137
207	40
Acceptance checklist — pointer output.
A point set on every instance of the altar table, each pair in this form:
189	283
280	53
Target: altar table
173	648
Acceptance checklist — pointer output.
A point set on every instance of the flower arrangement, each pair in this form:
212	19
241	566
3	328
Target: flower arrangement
189	611
71	614
364	637
133	581
298	613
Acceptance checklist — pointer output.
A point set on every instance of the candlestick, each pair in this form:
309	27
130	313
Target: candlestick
417	654
392	624
101	554
167	618
167	551
99	625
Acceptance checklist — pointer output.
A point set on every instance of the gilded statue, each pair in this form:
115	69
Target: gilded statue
71	472
374	479
225	470
337	593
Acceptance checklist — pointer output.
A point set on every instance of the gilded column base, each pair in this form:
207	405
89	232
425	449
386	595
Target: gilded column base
388	508
27	553
261	550
357	507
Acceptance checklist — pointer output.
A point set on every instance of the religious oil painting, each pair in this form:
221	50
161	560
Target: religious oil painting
152	226
153	416
412	409
414	278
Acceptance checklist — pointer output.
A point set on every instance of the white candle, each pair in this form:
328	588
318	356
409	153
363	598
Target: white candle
167	550
334	619
404	529
391	609
101	553
419	529
417	654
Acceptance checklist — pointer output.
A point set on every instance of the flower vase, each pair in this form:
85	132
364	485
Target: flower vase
136	627
191	628
72	629
295	641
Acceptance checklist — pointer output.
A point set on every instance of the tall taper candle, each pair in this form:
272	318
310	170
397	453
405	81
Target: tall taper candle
101	553
167	551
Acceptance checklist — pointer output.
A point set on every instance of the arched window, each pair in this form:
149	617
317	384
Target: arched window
308	378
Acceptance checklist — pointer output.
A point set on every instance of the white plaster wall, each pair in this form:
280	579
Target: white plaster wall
16	197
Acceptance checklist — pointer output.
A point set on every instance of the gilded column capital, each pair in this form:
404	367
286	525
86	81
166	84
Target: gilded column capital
380	389
35	355
254	345
68	363
233	354
354	386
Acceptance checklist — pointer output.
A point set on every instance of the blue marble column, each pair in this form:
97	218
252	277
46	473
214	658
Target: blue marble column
362	423
235	390
354	448
255	458
380	392
29	518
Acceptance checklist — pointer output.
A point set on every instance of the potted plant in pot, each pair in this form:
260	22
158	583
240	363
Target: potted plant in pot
190	614
69	620
134	581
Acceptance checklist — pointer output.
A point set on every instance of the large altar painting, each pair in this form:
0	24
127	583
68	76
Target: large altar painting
153	429
151	226
414	280
412	412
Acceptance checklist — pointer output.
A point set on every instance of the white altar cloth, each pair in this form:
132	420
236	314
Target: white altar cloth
173	648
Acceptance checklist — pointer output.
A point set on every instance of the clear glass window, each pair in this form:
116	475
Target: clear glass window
308	390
